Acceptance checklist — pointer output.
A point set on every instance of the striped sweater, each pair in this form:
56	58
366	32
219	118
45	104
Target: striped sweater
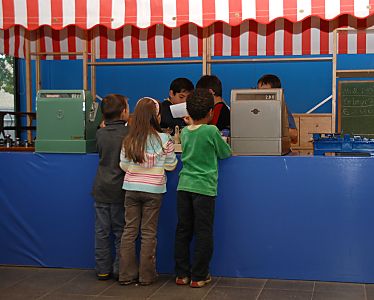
150	176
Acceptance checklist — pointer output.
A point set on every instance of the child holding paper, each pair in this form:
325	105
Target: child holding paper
180	88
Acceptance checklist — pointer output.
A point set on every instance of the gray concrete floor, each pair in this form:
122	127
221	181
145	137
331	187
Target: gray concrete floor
46	283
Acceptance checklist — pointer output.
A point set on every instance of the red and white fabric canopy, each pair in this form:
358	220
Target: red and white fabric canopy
114	14
173	28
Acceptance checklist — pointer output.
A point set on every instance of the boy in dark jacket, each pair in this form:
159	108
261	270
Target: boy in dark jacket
107	189
221	112
179	89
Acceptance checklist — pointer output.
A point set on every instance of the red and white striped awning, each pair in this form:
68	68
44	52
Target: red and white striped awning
113	14
173	28
309	37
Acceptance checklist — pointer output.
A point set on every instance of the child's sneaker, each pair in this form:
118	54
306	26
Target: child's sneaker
103	276
182	280
200	283
127	282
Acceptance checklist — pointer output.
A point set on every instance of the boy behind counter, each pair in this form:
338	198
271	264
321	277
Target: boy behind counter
180	88
221	112
271	81
107	190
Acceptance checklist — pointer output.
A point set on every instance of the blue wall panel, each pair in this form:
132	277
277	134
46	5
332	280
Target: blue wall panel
305	83
303	217
276	217
47	213
299	79
132	81
140	81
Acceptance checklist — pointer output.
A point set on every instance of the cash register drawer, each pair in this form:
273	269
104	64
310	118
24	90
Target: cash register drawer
247	146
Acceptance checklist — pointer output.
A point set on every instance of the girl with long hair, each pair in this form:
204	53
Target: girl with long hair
146	154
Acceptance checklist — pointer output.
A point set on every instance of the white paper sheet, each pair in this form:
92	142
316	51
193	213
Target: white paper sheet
179	110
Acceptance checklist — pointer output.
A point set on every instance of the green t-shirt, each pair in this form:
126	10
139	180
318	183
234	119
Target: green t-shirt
201	146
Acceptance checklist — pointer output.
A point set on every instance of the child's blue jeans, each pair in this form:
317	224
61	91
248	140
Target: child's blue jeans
109	219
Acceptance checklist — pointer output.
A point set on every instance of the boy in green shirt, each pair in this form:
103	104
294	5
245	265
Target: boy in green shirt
202	145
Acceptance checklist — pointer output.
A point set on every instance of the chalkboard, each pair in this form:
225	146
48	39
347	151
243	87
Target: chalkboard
356	107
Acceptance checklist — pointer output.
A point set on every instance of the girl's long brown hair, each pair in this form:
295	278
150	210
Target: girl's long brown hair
144	123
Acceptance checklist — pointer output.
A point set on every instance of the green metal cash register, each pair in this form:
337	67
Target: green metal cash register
67	121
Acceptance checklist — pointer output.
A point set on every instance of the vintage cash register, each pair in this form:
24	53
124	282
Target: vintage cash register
259	122
67	121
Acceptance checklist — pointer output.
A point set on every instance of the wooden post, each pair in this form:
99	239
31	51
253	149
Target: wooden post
93	67
207	54
148	62
85	60
334	62
205	46
37	63
266	60
28	83
209	50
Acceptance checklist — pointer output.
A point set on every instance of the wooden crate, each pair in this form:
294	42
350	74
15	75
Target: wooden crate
309	124
302	152
297	122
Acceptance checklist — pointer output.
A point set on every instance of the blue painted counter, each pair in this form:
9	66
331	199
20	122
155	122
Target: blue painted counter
276	217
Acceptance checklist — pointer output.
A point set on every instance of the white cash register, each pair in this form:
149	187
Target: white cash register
259	122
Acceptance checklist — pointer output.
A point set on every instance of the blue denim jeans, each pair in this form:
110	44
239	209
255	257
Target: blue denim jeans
109	219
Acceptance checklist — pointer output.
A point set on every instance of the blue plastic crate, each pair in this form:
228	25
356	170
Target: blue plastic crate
335	143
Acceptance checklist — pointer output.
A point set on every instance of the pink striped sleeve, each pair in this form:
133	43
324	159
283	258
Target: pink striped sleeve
171	159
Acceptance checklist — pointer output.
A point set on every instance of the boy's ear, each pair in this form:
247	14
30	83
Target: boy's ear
171	93
125	111
210	115
211	91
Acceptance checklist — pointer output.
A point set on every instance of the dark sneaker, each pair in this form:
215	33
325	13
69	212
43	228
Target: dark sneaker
182	280
103	276
200	283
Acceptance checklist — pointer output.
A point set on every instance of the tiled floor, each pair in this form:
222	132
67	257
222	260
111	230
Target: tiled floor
42	283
